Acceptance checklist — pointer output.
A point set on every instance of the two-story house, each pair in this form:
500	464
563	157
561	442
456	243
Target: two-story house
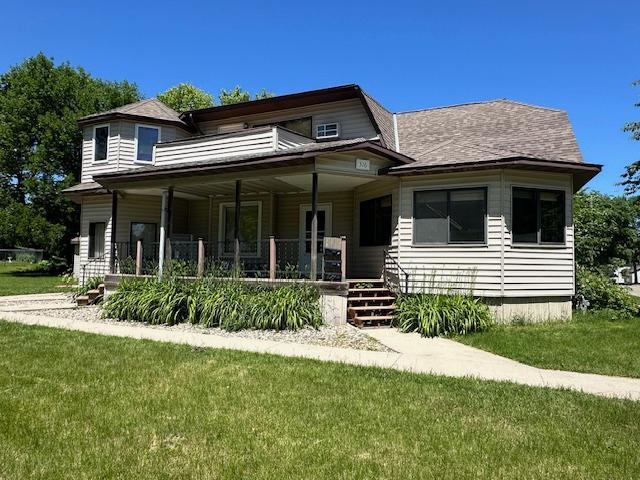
475	196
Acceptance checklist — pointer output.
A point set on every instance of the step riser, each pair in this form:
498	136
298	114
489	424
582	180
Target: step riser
370	306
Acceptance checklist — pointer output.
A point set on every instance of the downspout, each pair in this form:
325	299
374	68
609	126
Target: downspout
396	137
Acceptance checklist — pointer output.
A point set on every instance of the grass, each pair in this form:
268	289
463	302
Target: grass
22	278
591	342
75	405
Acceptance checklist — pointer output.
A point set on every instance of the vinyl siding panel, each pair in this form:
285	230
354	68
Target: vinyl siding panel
94	209
350	114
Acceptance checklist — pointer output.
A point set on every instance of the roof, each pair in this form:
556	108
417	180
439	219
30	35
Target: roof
295	155
497	125
150	109
384	120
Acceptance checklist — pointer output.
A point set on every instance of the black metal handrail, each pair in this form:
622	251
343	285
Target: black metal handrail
388	277
95	267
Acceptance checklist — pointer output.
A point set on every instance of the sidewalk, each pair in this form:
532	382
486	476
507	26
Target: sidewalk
415	354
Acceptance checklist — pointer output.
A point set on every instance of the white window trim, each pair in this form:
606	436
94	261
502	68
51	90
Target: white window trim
325	137
93	143
483	244
221	226
135	149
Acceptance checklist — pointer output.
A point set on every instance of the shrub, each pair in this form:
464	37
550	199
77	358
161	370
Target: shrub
441	314
603	293
90	284
53	266
228	304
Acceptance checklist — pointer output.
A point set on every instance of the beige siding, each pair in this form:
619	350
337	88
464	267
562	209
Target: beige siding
457	267
350	114
538	270
367	262
94	209
121	149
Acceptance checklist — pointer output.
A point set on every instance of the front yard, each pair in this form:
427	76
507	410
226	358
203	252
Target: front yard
21	278
591	343
83	406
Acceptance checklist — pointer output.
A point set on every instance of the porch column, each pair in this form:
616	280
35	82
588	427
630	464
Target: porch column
314	226
236	228
114	222
165	215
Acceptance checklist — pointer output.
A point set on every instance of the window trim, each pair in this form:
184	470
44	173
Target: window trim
221	225
448	243
104	247
327	137
540	243
93	143
390	195
135	148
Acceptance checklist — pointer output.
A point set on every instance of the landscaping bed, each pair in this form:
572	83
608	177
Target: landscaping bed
596	342
76	405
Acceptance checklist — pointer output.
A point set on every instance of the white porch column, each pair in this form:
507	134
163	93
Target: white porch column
236	228
163	231
314	226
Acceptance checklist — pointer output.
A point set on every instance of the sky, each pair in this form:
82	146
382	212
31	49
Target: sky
579	56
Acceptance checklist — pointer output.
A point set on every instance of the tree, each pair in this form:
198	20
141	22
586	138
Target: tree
606	233
238	95
185	96
631	177
40	142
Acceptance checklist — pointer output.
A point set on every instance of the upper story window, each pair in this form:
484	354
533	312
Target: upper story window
100	143
375	222
298	125
450	216
327	130
538	216
146	138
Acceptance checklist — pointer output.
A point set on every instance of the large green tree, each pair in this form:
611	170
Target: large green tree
185	96
631	177
606	233
237	95
40	145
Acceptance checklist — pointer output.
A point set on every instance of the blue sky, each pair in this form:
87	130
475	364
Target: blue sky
580	56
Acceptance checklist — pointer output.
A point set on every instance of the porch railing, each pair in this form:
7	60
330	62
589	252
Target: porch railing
272	258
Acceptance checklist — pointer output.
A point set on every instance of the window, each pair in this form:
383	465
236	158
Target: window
538	215
250	213
298	125
96	239
449	216
327	130
145	232
146	138
100	143
375	222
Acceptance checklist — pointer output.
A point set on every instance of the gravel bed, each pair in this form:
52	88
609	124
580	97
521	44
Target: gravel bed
344	336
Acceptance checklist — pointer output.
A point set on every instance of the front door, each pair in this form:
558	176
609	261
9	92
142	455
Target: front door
324	230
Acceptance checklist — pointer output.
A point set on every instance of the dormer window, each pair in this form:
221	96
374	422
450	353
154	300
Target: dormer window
100	143
146	138
327	130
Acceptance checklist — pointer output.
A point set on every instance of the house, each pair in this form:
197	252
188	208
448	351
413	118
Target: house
474	197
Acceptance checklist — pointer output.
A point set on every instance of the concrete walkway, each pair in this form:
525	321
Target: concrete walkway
414	353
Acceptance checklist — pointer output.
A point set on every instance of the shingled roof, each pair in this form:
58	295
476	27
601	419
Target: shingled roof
384	119
493	128
150	109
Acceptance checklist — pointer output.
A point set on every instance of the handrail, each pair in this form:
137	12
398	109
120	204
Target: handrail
92	262
400	270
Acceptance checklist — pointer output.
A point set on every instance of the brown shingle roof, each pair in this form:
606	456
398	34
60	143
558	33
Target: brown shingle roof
384	119
151	108
498	125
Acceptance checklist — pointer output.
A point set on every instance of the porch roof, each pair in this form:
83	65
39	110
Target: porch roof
300	155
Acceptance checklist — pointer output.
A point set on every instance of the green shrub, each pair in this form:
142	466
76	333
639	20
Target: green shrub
228	304
440	314
603	293
91	284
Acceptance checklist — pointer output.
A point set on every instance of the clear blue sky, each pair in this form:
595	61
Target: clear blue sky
580	56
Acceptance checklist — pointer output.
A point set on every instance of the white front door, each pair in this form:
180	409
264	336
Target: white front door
324	230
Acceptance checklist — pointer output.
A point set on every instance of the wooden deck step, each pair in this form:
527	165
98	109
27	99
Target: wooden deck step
364	290
365	308
372	299
82	300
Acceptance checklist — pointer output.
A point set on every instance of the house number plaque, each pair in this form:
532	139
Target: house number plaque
362	164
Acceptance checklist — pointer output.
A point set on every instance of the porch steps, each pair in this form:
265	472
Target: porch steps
370	303
92	297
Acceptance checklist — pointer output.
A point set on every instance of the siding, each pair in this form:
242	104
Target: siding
497	268
121	150
94	209
350	114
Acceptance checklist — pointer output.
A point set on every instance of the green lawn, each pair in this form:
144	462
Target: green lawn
590	342
21	278
81	406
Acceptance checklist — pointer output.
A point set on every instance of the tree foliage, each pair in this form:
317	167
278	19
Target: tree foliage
40	145
185	96
631	177
606	233
238	95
